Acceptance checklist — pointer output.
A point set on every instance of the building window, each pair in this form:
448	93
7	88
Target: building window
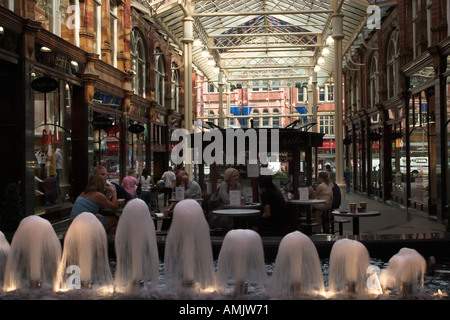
374	81
159	77
415	23
448	19
301	97
326	125
392	67
429	23
211	117
98	27
113	32
255	85
275	85
175	87
256	118
275	118
330	93
265	119
211	88
321	94
138	63
49	12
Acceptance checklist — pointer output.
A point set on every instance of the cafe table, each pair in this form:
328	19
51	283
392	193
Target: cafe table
253	205
178	200
355	217
237	214
308	203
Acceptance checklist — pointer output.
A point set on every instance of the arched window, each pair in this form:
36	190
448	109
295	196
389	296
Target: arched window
275	118
98	27
159	76
211	117
175	87
113	31
256	118
392	66
51	13
374	80
138	63
265	119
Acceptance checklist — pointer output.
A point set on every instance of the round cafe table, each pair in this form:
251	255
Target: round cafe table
254	205
355	217
237	215
308	204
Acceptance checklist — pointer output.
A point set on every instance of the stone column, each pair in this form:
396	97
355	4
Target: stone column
221	84
337	23
188	39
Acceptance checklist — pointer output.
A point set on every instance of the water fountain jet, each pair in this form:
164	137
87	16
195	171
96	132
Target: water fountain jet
349	262
241	259
85	255
136	246
188	257
405	271
33	256
297	267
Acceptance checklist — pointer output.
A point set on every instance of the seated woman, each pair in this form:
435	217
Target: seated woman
93	198
324	191
274	217
231	182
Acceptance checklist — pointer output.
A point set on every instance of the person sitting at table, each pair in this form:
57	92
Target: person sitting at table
324	191
93	198
273	219
231	182
192	190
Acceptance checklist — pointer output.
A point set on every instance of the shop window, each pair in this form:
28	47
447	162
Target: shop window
418	164
52	147
137	146
398	159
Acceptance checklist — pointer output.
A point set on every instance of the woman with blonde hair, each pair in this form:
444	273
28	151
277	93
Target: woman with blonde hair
93	198
231	182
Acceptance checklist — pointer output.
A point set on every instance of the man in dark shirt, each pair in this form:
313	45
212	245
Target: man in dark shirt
274	216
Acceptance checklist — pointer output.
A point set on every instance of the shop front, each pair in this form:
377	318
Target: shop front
418	166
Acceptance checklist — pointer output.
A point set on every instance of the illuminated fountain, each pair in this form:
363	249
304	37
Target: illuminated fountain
136	247
4	250
188	268
188	258
241	260
297	268
349	264
33	256
405	272
85	255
